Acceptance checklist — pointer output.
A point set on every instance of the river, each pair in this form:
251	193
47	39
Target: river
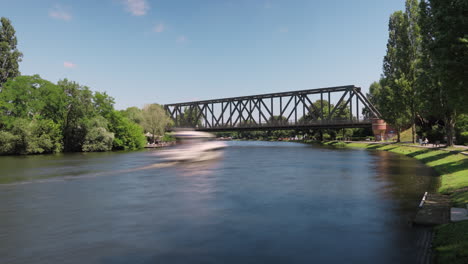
262	202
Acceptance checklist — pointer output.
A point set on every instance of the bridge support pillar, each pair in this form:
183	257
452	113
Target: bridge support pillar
379	127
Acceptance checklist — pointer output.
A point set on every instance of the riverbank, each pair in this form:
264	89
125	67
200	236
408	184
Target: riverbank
450	241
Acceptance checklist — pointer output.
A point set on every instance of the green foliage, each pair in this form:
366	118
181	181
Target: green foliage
463	138
134	114
7	142
37	116
97	137
168	137
278	120
46	137
78	108
9	54
444	59
127	134
155	120
191	117
27	97
31	137
391	95
103	103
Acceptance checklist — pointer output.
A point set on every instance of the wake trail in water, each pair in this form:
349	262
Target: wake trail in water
93	175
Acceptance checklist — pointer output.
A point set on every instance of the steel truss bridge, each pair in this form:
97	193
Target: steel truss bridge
304	109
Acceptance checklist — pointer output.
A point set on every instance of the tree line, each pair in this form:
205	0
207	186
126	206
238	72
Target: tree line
38	116
425	71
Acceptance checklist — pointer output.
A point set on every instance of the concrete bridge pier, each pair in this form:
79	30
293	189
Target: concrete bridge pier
379	127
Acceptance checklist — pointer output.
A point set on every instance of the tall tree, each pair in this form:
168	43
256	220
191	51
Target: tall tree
155	119
9	54
78	108
395	83
409	78
444	59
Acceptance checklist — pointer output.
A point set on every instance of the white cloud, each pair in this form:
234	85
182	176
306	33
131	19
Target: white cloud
283	30
181	39
69	65
136	7
159	28
58	12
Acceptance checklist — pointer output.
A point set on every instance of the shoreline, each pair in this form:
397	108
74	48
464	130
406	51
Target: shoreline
450	242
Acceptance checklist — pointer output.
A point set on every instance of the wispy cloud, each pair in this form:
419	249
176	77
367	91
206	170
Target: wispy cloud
267	5
69	65
159	28
137	7
59	12
181	39
283	30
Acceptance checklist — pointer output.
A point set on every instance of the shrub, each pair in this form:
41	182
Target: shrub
98	139
463	138
127	134
7	142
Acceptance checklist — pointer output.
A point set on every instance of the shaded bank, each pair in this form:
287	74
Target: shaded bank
450	242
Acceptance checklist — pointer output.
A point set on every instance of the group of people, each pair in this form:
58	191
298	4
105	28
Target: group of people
423	142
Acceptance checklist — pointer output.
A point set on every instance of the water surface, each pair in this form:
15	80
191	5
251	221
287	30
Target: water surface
263	202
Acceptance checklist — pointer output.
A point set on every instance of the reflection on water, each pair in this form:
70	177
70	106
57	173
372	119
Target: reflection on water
262	202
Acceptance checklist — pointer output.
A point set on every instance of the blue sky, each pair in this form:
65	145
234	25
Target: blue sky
146	51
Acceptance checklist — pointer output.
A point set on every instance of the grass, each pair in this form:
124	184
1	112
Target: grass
451	240
406	135
451	243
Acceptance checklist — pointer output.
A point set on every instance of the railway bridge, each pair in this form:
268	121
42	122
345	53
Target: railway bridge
330	107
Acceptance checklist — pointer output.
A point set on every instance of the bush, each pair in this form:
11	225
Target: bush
46	137
97	137
168	138
7	142
463	138
31	137
127	134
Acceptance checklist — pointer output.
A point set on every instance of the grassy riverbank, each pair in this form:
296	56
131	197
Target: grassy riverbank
450	242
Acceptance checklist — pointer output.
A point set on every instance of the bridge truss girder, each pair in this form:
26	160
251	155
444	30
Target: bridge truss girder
296	110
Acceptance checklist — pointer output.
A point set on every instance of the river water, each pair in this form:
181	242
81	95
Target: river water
262	202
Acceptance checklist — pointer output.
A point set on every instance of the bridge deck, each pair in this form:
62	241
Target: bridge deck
265	126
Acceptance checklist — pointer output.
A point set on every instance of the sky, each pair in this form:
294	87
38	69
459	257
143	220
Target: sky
155	51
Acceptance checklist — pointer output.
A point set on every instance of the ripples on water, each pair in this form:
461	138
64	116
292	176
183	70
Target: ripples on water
262	202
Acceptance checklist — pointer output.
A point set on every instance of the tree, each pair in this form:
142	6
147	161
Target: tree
103	104
9	54
189	118
395	85
409	79
155	120
278	120
444	59
30	97
127	134
78	109
134	114
31	137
